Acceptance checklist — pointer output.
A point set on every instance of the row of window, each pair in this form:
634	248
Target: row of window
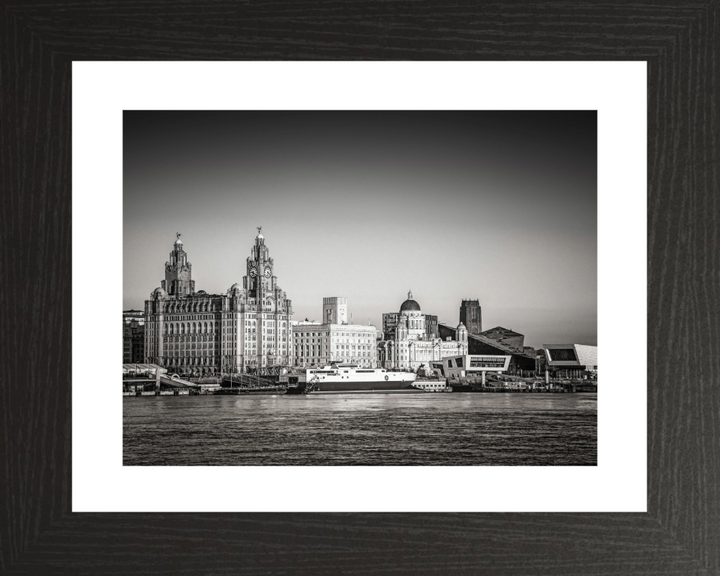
212	337
175	352
189	328
342	353
354	340
192	361
334	334
184	309
191	345
183	345
269	317
336	347
186	353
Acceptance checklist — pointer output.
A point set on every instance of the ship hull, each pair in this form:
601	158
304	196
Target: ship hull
373	386
297	389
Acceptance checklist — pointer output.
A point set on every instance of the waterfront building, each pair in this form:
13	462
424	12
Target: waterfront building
471	365
334	310
471	316
390	321
129	315
407	346
506	336
334	340
133	336
431	326
195	333
570	360
305	322
520	360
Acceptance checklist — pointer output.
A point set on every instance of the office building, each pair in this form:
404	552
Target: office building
194	333
334	340
133	336
407	346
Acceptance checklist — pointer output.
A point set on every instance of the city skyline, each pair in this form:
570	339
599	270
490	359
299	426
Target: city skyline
495	206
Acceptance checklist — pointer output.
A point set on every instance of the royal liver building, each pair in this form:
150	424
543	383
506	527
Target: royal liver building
195	333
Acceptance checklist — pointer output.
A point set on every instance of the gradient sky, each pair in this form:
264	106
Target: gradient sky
495	206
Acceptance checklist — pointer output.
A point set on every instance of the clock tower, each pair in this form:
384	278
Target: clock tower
264	334
259	279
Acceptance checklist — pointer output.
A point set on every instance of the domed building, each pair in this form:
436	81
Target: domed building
412	318
409	305
408	343
417	323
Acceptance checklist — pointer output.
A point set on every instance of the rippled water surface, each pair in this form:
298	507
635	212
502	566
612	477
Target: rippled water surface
461	429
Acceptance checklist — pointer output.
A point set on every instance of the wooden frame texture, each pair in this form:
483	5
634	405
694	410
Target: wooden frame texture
681	531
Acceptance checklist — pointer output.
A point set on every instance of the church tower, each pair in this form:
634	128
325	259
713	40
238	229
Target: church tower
178	272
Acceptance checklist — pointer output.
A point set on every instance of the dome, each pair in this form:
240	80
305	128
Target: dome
235	286
159	293
410	305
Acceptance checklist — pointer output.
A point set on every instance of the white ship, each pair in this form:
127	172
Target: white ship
348	377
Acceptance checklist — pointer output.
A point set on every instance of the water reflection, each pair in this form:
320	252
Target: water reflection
362	429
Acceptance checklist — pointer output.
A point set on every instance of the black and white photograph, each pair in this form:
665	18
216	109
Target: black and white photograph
510	187
360	288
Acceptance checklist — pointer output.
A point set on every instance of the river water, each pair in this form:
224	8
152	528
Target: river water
456	429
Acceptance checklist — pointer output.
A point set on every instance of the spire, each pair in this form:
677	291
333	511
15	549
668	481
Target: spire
410	296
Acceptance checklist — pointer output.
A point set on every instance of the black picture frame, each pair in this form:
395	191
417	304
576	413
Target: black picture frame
680	532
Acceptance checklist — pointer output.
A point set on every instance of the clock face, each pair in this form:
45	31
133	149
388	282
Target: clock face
268	272
253	272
